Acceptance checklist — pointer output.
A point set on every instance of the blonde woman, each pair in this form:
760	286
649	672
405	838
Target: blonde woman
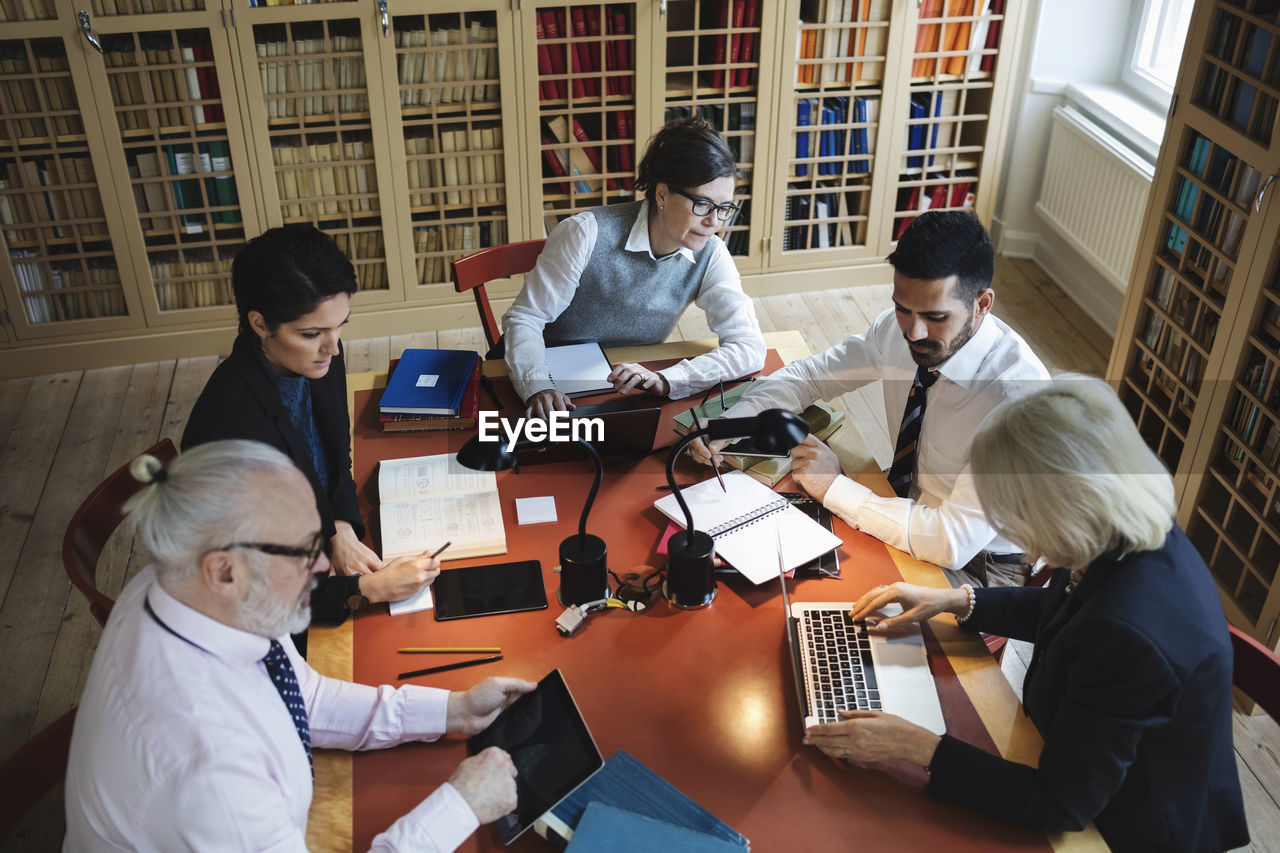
1130	683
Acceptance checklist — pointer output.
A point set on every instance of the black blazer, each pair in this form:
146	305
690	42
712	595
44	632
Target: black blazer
1130	686
240	401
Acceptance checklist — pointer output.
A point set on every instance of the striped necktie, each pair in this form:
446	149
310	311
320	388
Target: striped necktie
286	682
902	472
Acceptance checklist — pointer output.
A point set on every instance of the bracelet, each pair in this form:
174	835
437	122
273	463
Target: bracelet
973	600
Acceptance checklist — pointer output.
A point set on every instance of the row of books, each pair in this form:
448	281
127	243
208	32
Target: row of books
340	176
145	7
424	73
175	160
842	118
364	246
435	246
582	163
24	203
584	48
39	281
171	273
1259	432
286	82
434	163
1228	94
866	39
164	87
33	102
254	3
728	119
970	36
931	135
737	46
827	220
27	10
946	195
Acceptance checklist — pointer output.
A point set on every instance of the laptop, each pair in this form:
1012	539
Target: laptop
839	665
628	431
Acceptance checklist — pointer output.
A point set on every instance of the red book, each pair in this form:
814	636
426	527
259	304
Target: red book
625	125
721	45
750	18
468	410
551	27
207	77
938	196
593	153
993	37
546	88
622	49
551	157
961	196
583	86
735	40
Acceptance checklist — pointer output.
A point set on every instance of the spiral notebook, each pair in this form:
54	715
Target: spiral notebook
741	519
579	369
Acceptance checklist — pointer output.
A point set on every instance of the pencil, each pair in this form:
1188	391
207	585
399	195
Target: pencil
443	650
715	466
448	666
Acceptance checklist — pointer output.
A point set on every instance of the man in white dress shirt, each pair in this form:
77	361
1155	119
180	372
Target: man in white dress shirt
197	721
941	330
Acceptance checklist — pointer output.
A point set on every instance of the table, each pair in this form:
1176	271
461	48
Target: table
705	698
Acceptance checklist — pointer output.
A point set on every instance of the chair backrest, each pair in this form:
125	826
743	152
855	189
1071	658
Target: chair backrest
474	271
94	522
29	774
1256	672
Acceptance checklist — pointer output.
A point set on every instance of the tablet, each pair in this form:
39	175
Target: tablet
487	590
550	745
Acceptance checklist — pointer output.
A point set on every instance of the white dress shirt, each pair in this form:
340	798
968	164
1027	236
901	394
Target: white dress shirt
182	742
942	521
550	287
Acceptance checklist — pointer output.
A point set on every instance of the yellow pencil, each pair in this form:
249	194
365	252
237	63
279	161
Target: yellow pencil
442	650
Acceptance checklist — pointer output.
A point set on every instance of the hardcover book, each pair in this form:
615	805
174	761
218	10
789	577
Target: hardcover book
428	382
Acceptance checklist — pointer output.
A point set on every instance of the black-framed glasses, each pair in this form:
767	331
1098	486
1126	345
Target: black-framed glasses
704	206
311	553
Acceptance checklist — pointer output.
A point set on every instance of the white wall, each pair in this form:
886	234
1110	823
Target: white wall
1072	42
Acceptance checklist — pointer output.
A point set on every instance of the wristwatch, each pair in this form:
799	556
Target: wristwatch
355	599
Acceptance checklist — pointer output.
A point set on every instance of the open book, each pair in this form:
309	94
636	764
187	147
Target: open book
427	501
742	519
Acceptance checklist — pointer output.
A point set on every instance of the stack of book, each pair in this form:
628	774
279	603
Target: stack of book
823	421
431	389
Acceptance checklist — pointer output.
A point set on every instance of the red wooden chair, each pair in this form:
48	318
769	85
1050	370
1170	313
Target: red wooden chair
94	522
32	771
476	270
1257	671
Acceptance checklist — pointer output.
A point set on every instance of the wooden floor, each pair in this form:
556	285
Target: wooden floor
65	432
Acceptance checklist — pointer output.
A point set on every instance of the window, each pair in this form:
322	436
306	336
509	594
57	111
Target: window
1159	34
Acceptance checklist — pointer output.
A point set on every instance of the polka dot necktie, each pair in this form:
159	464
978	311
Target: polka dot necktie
286	682
902	473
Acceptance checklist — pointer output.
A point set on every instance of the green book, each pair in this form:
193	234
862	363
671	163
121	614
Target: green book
712	408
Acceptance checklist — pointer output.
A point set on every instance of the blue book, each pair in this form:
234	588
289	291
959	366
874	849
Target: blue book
825	167
802	137
607	828
915	133
933	130
858	142
428	382
1254	62
624	783
1188	192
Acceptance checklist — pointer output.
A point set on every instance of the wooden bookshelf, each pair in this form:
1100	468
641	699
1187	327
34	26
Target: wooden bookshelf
1196	356
444	129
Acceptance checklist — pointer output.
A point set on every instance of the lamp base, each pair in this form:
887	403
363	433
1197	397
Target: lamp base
583	574
691	582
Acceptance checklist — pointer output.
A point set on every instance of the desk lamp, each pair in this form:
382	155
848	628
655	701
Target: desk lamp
690	583
582	556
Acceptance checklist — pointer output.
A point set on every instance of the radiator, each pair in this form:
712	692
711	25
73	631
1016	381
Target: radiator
1094	193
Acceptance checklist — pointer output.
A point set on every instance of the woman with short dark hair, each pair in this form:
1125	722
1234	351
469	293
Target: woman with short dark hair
623	274
1130	683
285	384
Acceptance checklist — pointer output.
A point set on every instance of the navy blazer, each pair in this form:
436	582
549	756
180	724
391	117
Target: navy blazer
1130	687
241	401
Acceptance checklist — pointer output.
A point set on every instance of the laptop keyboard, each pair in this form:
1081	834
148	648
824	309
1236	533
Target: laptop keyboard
838	664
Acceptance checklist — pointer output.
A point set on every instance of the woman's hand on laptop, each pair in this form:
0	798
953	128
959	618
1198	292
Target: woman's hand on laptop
471	711
918	604
873	736
549	400
630	375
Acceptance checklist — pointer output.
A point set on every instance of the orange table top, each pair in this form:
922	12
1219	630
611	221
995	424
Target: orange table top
705	698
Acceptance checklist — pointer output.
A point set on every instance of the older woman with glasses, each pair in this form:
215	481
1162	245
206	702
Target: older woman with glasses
623	274
1130	682
285	385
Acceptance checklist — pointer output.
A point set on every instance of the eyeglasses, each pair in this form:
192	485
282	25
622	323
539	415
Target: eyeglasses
311	553
704	206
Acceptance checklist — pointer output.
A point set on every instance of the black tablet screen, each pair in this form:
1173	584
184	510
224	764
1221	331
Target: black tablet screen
550	745
485	590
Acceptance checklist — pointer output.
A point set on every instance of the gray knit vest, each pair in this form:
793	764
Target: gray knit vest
627	298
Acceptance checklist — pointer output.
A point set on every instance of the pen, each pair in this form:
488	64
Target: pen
448	666
715	466
440	550
462	650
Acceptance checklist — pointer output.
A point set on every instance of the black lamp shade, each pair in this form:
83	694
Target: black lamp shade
486	455
773	430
